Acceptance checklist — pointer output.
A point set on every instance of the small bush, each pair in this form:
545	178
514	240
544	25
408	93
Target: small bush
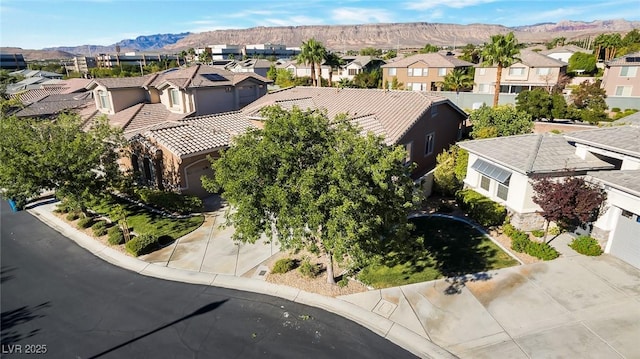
615	109
554	231
541	250
538	233
72	216
115	236
85	222
586	245
99	228
556	131
99	224
508	229
142	244
520	241
283	266
343	282
483	210
308	269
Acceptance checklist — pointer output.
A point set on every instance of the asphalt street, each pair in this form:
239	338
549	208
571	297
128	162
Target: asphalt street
59	301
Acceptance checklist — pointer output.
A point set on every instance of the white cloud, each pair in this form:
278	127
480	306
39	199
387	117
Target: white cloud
456	4
354	15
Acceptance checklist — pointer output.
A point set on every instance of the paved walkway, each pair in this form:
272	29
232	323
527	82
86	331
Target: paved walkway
573	306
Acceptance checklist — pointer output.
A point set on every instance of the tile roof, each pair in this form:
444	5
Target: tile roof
123	82
534	153
203	76
625	180
622	60
431	60
533	59
183	139
622	139
143	116
566	48
396	111
230	122
56	103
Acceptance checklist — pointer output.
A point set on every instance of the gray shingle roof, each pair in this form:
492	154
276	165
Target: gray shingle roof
56	103
622	60
534	153
621	139
183	139
567	48
203	76
633	119
396	111
625	180
123	82
431	60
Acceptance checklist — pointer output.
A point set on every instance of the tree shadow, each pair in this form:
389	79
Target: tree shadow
12	318
5	273
203	310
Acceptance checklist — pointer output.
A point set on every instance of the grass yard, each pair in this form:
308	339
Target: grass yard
439	247
142	221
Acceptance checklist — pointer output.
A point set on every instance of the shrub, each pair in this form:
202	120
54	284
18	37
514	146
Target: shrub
483	210
541	250
99	228
615	109
520	241
170	201
115	236
586	245
85	222
538	233
556	131
508	229
72	216
283	266
142	244
343	282
554	231
309	269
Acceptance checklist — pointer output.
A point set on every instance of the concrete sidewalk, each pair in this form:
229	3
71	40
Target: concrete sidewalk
574	306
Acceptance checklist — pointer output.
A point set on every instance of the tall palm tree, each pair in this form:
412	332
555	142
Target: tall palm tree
313	52
334	61
183	54
503	52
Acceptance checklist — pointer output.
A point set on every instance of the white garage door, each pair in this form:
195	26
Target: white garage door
194	172
625	243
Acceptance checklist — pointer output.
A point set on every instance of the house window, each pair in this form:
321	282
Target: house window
628	71
146	164
353	72
407	148
543	71
623	91
174	95
418	86
442	71
434	111
516	71
484	183
103	97
392	71
134	164
417	72
429	143
503	190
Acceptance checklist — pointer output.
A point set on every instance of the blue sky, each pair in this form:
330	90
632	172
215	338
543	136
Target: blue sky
32	24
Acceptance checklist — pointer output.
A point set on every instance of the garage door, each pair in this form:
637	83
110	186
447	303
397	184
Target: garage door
193	182
625	243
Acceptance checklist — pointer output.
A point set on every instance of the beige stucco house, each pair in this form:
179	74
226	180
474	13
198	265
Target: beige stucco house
622	76
421	72
533	71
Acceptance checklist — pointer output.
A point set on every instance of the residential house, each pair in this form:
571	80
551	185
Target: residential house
34	79
622	76
421	72
533	71
257	66
502	169
564	53
301	70
354	65
174	154
36	92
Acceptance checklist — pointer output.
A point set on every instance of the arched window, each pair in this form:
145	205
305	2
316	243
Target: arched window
134	164
146	163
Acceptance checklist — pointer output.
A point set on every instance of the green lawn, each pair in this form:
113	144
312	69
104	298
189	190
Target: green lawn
142	221
439	247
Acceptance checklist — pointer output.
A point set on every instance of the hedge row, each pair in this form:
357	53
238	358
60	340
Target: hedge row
170	201
142	244
482	209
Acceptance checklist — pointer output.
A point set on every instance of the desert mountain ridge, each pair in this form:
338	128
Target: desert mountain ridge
347	37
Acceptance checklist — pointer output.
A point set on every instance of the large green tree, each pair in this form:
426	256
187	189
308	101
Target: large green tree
457	80
57	155
334	62
502	51
536	102
588	102
585	63
310	181
499	121
312	52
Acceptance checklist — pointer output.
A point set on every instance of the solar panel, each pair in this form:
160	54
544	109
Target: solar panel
214	77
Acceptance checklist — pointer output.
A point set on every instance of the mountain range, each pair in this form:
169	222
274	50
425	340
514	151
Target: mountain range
346	37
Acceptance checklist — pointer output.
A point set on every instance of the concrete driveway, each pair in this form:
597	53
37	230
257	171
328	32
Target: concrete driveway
571	307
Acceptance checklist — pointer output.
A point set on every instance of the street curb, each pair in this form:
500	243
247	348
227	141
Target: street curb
384	327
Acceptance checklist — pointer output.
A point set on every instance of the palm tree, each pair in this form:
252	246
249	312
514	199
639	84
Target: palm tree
313	52
457	80
332	60
502	51
183	54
